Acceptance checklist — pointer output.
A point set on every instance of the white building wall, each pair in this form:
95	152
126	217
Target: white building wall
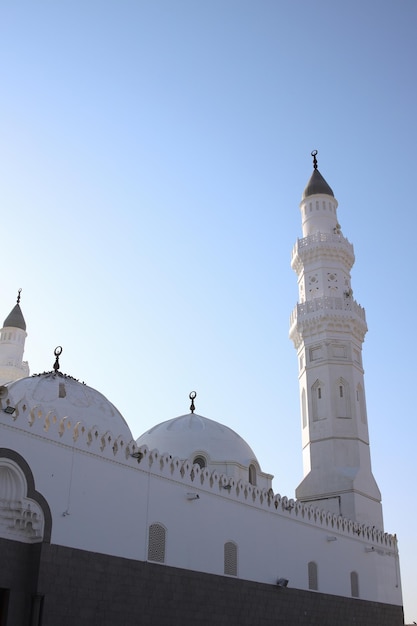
103	500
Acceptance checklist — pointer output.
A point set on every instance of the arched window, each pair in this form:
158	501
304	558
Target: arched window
252	474
354	584
360	399
304	407
342	398
201	461
230	558
156	543
313	582
317	396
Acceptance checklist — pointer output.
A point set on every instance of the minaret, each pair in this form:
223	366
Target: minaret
12	344
328	329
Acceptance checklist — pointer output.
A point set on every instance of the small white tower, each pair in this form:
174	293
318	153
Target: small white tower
12	345
328	328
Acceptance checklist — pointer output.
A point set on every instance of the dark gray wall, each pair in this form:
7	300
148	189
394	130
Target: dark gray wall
87	589
19	565
83	588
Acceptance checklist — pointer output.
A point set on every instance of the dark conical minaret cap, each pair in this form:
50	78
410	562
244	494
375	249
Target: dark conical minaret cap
316	184
15	318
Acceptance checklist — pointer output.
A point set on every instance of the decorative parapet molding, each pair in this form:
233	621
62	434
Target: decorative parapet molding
241	491
76	435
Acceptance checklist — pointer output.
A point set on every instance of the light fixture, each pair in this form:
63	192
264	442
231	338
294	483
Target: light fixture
193	496
228	487
137	455
282	582
331	538
9	409
371	549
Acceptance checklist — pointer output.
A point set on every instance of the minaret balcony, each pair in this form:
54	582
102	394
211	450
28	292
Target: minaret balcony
319	246
310	314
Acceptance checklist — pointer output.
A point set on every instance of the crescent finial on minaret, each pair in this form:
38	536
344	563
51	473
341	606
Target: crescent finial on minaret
314	155
18	295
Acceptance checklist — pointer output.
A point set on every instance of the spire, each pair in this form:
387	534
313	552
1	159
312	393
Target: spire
15	318
316	184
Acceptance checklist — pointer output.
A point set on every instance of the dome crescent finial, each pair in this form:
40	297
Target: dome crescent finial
18	295
57	352
314	155
192	396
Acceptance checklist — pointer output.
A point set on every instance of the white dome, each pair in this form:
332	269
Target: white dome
189	435
66	396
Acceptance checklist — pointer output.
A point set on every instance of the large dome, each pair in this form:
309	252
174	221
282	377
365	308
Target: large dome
66	396
190	435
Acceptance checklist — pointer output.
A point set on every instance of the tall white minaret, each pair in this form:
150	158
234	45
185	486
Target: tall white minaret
12	345
328	328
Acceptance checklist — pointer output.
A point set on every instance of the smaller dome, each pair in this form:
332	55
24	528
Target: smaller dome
15	319
190	434
317	184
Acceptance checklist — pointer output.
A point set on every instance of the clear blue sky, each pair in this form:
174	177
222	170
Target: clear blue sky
152	158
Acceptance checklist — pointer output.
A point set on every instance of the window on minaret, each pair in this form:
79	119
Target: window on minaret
317	395
304	408
360	399
342	399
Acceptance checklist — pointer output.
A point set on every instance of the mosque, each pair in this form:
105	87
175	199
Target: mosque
182	526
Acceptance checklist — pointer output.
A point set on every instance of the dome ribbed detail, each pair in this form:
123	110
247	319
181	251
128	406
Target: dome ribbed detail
186	435
15	319
317	184
65	396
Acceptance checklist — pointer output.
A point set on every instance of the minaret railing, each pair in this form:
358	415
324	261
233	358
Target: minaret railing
345	304
319	238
